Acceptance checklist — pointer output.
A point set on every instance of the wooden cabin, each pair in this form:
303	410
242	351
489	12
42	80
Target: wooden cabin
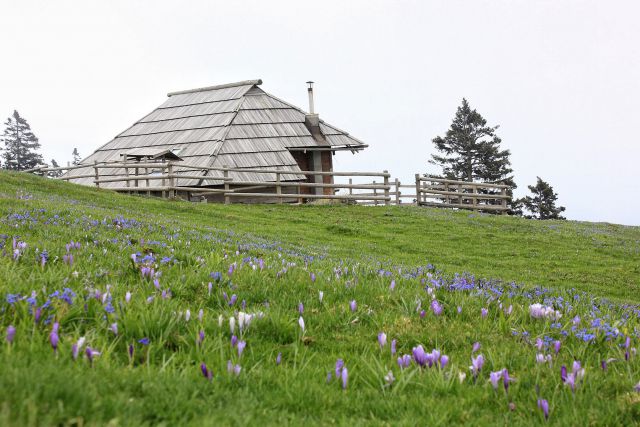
236	125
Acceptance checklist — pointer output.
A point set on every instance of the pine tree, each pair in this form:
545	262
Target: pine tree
470	150
76	157
20	145
54	174
543	203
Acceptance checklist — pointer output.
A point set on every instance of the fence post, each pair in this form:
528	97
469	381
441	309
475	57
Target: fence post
278	187
350	189
503	192
447	197
397	192
172	190
474	192
164	191
418	189
126	172
387	199
95	170
146	172
375	194
460	196
225	174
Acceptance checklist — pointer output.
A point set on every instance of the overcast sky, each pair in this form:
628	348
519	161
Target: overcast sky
561	78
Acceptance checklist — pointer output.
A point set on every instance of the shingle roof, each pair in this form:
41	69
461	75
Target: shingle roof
238	125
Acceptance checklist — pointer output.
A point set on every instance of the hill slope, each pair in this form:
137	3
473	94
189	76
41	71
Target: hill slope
130	311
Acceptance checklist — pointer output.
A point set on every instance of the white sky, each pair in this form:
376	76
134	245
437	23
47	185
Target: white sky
560	77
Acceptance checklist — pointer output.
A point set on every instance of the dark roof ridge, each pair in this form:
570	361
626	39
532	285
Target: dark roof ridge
224	86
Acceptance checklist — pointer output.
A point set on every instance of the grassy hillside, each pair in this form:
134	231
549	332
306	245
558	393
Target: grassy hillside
152	287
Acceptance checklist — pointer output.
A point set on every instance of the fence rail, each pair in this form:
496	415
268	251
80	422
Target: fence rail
377	188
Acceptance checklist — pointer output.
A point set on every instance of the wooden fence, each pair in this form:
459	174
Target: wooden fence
137	180
377	188
448	193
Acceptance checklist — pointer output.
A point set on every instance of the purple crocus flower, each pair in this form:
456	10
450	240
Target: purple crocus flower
339	367
345	378
241	346
237	369
144	341
506	379
114	328
539	343
353	305
76	347
234	340
476	347
444	360
556	346
382	339
476	364
636	388
37	313
206	372
571	381
603	365
392	286
627	342
544	405
495	378
484	312
91	354
422	314
279	359
300	308
420	356
436	307
209	288
130	350
404	361
53	337
459	309
200	337
11	333
393	347
575	368
563	373
127	297
233	299
313	277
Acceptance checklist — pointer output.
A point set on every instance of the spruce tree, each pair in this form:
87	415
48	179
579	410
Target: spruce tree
20	145
543	203
76	157
470	150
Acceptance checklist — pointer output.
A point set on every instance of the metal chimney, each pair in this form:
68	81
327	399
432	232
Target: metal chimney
310	91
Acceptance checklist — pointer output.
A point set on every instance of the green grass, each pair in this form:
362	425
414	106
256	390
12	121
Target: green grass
355	252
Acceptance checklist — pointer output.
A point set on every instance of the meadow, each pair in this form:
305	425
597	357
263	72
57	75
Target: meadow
124	310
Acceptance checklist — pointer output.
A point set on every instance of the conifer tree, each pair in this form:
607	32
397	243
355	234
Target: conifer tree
20	145
470	150
76	157
543	203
